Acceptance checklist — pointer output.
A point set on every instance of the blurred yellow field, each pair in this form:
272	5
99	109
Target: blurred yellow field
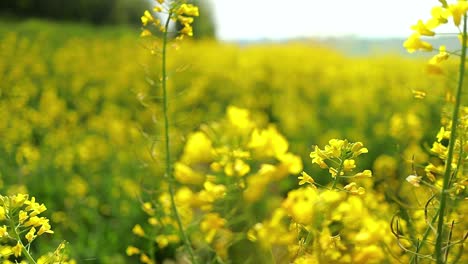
291	152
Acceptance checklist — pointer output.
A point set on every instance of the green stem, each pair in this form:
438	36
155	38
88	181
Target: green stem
424	238
453	136
340	168
24	250
169	173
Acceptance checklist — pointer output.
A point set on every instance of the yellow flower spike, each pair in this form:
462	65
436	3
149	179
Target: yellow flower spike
306	178
458	10
414	43
422	29
160	1
17	249
131	250
157	9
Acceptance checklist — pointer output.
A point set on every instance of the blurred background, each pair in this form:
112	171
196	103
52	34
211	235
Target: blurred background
349	25
80	112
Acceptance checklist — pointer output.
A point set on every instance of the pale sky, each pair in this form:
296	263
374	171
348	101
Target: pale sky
279	19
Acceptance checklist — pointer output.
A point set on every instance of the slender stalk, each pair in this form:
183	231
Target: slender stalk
24	250
340	169
169	173
453	136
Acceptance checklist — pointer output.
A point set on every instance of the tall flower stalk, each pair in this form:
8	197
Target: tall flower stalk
183	13
453	136
442	15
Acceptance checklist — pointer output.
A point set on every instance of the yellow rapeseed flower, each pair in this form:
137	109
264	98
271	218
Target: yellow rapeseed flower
414	43
45	228
439	15
17	249
147	18
131	250
354	189
2	213
458	10
30	236
138	230
3	231
188	9
422	29
306	178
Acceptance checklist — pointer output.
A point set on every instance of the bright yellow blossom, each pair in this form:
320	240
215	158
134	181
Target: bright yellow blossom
31	234
422	29
188	9
138	230
458	10
306	178
17	249
414	43
147	18
3	231
131	250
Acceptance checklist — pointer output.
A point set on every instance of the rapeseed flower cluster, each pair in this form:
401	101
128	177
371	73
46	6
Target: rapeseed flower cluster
304	229
20	225
177	11
339	157
226	170
440	15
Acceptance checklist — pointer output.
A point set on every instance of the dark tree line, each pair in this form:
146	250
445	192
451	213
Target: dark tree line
92	11
100	12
